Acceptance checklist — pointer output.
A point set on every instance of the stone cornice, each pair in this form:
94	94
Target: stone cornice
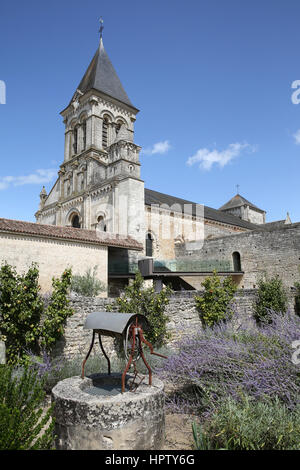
98	97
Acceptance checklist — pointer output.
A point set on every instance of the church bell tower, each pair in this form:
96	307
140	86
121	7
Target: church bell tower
99	184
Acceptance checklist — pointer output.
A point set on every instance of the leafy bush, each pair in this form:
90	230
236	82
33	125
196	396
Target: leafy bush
57	311
87	285
138	299
23	425
217	362
250	425
297	298
26	322
271	296
214	305
21	310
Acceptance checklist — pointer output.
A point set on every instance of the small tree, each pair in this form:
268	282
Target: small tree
214	305
138	299
57	312
21	309
271	296
25	322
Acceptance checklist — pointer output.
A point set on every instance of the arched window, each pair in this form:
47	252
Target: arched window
75	139
149	245
118	126
84	135
75	221
236	258
101	225
105	133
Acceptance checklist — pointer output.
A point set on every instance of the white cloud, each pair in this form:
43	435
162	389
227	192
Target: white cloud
207	158
41	176
159	147
297	137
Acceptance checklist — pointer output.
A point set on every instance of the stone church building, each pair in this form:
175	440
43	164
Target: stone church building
100	198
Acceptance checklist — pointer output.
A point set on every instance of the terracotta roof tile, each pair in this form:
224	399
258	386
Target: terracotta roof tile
69	233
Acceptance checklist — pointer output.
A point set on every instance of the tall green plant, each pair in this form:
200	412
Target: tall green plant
57	312
21	309
26	323
138	299
23	423
214	305
271	297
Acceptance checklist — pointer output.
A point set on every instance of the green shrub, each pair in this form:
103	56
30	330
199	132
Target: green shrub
26	323
138	299
23	425
297	298
214	305
271	296
21	310
249	425
57	312
87	285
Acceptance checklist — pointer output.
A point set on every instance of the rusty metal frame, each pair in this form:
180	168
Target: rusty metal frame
135	332
89	352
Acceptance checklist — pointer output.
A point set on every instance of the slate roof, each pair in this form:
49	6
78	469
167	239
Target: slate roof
154	197
102	76
68	233
238	201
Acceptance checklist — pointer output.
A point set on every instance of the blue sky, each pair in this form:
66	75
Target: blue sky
212	80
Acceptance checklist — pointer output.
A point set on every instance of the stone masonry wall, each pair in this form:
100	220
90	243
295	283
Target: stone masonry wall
53	256
268	251
182	313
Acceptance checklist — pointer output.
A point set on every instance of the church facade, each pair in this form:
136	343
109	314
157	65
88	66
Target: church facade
99	187
99	183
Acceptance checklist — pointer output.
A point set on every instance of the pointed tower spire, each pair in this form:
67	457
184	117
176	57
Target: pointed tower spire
101	76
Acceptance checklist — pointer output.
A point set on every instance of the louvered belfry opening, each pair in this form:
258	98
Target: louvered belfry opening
105	133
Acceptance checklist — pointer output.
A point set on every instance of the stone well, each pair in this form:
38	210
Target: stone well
93	414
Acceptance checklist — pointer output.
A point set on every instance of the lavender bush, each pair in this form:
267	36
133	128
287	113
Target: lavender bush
223	362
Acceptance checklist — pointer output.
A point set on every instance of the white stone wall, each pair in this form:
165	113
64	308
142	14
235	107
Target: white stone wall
168	228
256	217
270	252
131	207
53	256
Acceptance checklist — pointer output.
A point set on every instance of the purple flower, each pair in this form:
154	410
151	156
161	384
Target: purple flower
217	362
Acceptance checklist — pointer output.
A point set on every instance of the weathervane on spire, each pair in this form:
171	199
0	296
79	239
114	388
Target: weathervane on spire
101	27
238	188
